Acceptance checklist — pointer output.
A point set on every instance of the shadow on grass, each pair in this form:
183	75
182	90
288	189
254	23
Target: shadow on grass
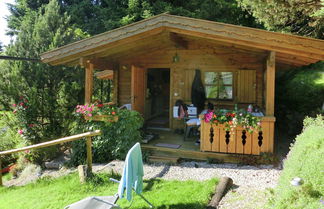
150	183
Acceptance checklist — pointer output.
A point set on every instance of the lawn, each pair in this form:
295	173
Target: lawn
305	161
57	193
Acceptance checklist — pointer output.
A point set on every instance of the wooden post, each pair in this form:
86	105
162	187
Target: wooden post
88	82
270	83
0	173
115	84
89	154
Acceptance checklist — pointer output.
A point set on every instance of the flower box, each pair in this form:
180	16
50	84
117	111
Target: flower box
107	118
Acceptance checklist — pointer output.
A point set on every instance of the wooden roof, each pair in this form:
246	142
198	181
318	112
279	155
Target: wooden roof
164	29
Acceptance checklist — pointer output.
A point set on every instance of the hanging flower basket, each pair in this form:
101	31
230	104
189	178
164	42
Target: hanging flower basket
98	112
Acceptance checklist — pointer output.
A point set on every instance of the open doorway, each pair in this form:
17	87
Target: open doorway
157	101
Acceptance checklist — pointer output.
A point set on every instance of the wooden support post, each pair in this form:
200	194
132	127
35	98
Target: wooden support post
89	154
88	82
0	173
115	84
270	83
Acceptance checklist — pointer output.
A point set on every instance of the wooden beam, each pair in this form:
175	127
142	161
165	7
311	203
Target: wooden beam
105	75
270	83
263	44
53	142
88	83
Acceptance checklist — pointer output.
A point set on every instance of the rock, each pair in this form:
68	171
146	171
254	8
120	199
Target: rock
53	165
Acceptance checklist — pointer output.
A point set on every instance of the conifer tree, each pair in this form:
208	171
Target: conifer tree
48	93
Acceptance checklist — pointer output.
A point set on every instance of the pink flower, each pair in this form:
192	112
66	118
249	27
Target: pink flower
208	117
259	123
31	125
90	115
20	131
14	105
21	104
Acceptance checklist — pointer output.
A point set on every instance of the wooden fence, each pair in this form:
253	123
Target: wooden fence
86	135
215	139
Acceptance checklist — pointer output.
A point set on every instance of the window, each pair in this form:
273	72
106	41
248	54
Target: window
219	85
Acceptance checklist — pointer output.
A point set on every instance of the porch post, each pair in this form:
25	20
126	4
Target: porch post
270	83
88	82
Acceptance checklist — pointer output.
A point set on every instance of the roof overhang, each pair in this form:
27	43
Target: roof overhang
290	48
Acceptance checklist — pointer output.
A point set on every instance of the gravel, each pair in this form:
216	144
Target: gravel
251	183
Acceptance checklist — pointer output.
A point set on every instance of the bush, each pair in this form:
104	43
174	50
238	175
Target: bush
305	160
299	93
116	139
9	138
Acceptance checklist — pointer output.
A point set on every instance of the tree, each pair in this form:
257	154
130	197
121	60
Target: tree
47	94
302	17
97	16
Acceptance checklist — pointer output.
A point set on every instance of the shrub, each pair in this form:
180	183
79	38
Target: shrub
299	93
116	139
305	160
9	138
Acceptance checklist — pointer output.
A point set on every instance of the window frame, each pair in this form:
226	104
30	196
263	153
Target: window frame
218	85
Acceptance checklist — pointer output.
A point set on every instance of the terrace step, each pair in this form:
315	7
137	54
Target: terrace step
163	159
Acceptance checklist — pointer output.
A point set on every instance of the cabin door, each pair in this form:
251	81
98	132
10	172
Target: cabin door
138	89
157	101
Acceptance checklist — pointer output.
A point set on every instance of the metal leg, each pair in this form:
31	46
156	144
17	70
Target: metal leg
150	204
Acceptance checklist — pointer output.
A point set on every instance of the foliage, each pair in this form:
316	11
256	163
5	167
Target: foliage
108	15
9	138
97	108
310	168
116	139
58	193
299	93
301	17
232	119
51	92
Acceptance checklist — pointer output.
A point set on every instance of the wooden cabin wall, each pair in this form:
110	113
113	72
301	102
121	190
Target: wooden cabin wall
206	59
124	85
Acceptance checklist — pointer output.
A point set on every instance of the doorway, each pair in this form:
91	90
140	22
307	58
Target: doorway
157	100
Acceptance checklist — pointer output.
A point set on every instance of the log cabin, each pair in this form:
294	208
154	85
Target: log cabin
152	64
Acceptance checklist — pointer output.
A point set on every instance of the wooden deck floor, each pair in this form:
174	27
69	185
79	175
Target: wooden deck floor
187	150
168	137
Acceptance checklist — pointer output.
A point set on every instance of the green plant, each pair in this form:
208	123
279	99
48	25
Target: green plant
299	93
305	161
116	139
97	108
9	138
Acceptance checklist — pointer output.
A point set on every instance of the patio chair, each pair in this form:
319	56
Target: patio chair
132	179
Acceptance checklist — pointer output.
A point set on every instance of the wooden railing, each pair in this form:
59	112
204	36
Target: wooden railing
86	135
215	139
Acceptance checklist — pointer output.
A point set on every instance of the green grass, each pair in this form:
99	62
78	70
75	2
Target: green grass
57	193
305	161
